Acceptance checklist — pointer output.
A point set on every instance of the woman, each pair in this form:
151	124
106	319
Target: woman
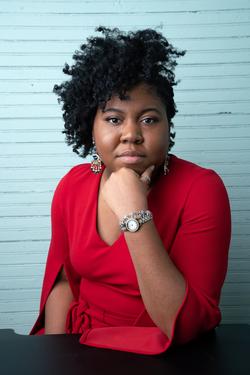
140	237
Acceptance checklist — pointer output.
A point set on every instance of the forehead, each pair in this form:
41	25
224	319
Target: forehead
139	97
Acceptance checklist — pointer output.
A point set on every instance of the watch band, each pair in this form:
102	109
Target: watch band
133	221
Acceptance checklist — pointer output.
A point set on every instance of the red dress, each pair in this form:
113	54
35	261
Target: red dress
192	214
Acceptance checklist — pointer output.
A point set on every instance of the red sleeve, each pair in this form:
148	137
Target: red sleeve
200	252
58	255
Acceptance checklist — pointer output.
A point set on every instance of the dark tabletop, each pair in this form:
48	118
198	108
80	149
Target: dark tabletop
225	350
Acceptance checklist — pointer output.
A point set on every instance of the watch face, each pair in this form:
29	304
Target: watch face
132	225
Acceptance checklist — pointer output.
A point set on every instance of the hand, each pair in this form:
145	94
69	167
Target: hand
125	191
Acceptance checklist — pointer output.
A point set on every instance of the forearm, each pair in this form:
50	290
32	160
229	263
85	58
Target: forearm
161	284
56	308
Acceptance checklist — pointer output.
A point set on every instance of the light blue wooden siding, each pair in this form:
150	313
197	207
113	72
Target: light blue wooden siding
36	38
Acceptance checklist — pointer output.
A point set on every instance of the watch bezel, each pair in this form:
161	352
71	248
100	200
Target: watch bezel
134	220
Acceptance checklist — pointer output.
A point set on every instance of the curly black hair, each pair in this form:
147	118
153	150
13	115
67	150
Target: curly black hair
114	63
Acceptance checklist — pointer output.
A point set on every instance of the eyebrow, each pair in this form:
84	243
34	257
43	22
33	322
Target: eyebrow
150	109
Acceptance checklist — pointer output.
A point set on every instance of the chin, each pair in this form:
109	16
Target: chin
138	169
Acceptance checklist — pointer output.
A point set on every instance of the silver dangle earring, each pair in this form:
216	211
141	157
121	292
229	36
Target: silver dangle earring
165	166
96	164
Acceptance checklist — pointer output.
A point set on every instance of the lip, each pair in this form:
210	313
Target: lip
131	153
131	157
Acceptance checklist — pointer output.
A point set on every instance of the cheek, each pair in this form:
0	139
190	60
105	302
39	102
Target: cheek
100	134
160	142
106	141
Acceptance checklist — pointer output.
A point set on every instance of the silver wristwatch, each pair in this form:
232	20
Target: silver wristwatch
133	221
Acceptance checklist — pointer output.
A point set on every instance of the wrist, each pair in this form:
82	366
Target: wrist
134	206
133	221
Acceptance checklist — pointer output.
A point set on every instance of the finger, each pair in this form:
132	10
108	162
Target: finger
146	179
148	172
146	175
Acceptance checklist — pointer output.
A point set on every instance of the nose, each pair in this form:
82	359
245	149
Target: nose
131	133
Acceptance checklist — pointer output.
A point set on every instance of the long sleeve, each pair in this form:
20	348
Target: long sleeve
58	256
200	252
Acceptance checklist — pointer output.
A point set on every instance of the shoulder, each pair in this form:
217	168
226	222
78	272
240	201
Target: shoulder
184	167
78	176
78	170
189	174
198	184
190	182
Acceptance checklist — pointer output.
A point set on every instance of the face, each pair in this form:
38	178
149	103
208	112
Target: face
132	133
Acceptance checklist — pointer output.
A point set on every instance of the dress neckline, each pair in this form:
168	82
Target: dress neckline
95	209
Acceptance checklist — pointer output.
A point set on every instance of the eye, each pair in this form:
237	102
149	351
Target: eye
113	120
150	120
